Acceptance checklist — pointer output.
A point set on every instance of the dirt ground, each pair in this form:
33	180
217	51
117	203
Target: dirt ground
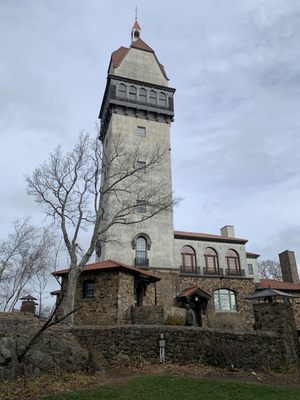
33	389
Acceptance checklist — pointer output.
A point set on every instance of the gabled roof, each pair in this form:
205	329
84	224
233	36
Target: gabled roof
194	290
112	265
141	45
136	25
278	285
207	237
252	255
118	55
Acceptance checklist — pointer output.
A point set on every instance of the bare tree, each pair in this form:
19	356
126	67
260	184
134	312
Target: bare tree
269	269
74	189
26	252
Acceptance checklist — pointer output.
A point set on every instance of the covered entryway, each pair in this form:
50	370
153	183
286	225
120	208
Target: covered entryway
197	299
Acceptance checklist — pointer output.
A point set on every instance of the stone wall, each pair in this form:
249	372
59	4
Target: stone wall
173	283
279	318
127	344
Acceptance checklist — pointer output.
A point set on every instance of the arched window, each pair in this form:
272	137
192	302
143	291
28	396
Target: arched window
189	263
224	300
162	99
152	97
88	288
122	90
211	261
132	92
141	259
143	95
233	263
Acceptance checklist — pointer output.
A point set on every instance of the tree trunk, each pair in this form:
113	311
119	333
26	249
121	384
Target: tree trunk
70	293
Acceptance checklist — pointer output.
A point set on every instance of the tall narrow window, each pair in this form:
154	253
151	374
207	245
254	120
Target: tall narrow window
211	261
250	269
88	288
162	99
152	97
224	300
142	95
132	93
141	131
141	206
122	90
141	252
189	263
233	263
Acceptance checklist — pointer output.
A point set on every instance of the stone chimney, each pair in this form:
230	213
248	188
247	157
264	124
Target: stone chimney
288	266
227	231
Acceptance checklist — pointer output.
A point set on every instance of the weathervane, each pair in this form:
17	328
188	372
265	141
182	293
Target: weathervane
136	10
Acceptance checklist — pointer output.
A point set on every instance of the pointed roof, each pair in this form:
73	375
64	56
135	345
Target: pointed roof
136	25
118	55
141	45
194	290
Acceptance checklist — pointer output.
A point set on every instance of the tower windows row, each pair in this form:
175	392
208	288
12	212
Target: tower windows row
212	266
146	96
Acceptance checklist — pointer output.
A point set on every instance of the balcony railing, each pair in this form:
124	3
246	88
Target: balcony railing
211	272
189	270
235	273
141	262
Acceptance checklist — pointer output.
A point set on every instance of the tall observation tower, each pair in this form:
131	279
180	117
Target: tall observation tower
136	112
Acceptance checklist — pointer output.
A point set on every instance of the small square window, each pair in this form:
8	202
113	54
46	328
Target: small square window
141	166
141	206
141	131
250	269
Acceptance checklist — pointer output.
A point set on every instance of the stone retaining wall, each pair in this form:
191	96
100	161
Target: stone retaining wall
123	345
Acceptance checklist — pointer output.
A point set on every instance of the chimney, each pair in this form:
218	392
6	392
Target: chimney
227	231
288	266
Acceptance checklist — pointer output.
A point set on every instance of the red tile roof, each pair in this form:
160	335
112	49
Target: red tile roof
118	55
252	255
109	265
136	25
194	289
141	45
280	285
207	237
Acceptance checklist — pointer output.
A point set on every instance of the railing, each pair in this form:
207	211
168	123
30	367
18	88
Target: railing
141	262
210	272
189	271
235	273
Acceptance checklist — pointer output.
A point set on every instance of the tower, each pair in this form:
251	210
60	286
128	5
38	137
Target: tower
136	112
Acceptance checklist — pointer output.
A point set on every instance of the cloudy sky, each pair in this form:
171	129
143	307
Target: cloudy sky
236	136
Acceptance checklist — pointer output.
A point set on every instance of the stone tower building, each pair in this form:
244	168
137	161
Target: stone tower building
136	113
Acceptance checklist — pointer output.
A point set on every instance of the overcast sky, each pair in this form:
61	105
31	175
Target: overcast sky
235	65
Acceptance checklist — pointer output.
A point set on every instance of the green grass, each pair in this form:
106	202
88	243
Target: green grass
182	388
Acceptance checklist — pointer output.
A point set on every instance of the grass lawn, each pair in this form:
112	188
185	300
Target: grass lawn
181	388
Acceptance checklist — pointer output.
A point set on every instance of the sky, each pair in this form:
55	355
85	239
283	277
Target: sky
235	65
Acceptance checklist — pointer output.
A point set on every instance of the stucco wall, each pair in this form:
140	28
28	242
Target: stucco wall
142	66
160	227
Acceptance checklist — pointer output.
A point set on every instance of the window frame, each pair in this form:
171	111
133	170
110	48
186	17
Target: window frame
88	289
218	304
250	269
141	167
141	131
215	258
236	271
189	260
